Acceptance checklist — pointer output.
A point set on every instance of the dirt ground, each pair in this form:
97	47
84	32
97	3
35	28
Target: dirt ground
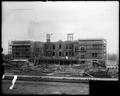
31	87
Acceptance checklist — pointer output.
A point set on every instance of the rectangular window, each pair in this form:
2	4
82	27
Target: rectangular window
94	54
82	62
66	47
60	53
83	49
53	54
72	53
37	49
70	47
59	46
69	53
53	46
95	45
66	53
82	56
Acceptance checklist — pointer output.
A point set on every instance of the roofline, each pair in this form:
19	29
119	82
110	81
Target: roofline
96	39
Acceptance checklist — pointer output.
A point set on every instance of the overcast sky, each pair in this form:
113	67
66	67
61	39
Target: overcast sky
32	20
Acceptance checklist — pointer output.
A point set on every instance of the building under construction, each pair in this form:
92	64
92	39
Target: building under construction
71	51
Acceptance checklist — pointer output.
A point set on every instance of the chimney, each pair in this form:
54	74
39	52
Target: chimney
48	37
70	37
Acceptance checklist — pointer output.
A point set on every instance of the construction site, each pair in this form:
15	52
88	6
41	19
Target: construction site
69	58
61	52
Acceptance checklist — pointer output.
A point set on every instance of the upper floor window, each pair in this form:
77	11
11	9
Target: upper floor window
26	49
53	46
70	53
59	46
53	54
37	49
82	62
60	53
94	54
82	49
66	47
48	53
82	56
70	47
95	45
66	53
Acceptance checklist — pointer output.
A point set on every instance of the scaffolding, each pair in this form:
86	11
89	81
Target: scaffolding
9	47
21	49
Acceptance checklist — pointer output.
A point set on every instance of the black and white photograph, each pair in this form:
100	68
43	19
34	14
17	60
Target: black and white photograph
58	47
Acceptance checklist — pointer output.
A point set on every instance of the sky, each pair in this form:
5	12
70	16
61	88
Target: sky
85	19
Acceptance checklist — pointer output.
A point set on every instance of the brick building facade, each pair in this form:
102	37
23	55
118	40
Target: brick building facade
62	52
